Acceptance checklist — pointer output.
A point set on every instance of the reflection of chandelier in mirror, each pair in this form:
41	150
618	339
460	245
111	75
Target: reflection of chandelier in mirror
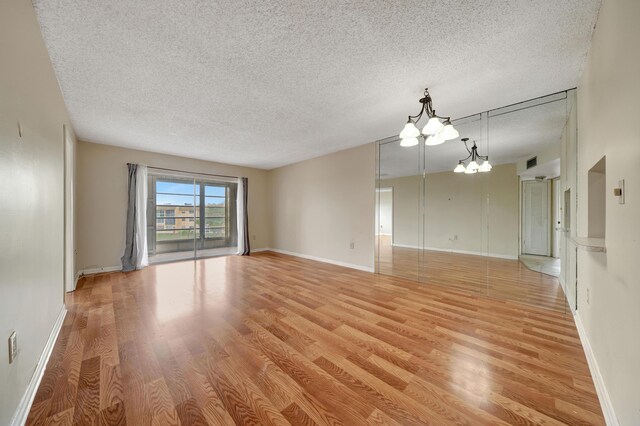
435	131
473	166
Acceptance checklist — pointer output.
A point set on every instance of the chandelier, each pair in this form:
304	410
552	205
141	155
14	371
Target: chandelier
435	131
473	156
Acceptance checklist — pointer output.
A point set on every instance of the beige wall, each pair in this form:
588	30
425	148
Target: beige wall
608	111
457	215
406	209
32	198
102	199
322	205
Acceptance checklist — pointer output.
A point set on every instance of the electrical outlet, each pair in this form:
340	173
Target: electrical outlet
588	298
352	245
13	347
253	237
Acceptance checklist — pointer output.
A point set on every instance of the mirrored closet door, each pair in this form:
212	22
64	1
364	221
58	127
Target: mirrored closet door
453	215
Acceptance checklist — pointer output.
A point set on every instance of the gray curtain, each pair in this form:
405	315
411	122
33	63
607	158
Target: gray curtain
130	257
245	217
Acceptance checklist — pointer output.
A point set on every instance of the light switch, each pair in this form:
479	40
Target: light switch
619	191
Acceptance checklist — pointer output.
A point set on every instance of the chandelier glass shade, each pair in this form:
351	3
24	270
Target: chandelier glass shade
434	140
473	157
435	131
410	131
409	142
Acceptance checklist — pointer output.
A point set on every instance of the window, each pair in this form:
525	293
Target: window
175	203
190	214
215	211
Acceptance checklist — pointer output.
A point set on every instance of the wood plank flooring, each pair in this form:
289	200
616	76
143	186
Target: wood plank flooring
273	339
499	278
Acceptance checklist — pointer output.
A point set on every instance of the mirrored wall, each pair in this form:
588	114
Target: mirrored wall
503	232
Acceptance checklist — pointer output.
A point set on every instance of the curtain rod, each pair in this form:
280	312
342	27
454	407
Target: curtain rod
195	173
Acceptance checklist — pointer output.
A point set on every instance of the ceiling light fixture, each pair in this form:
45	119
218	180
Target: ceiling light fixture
473	166
435	131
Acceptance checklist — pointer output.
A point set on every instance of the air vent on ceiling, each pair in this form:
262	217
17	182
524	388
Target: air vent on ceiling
532	162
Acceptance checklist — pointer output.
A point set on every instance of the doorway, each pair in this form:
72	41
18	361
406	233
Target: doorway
384	225
535	218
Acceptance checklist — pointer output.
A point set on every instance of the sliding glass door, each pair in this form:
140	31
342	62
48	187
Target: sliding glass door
190	217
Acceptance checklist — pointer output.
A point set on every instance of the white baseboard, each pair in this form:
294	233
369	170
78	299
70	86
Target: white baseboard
603	395
76	277
258	250
91	271
562	284
22	412
406	246
324	260
474	253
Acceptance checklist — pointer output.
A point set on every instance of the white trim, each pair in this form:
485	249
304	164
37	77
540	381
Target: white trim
387	234
69	199
601	389
474	253
322	259
76	277
20	416
99	270
258	250
406	246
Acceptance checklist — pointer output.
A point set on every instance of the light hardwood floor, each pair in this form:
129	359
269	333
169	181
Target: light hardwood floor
273	339
499	278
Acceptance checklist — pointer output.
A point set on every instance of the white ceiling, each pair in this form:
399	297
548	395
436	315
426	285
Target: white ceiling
513	133
265	84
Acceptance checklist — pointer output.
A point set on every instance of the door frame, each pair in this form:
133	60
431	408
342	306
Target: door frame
556	219
69	206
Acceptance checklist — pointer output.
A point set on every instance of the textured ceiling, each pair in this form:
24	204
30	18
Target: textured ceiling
265	84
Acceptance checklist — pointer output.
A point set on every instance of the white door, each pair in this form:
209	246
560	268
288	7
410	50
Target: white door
386	211
535	210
